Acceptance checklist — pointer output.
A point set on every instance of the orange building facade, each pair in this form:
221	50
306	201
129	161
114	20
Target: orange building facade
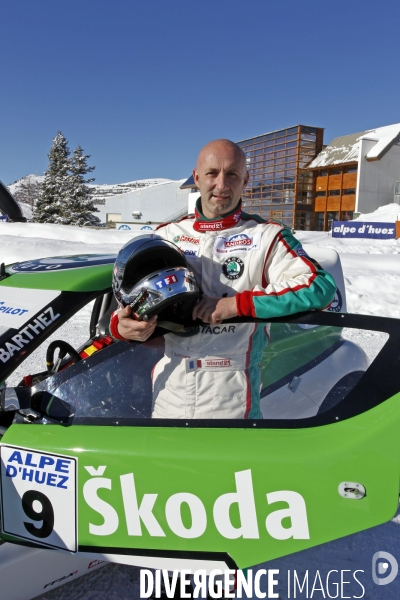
334	195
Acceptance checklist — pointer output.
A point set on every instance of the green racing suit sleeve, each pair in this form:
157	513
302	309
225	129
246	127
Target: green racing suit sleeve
291	282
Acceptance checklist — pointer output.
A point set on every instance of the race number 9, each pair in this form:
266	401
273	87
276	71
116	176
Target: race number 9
45	514
38	497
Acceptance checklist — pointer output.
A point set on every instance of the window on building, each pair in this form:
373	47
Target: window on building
303	221
352	169
319	220
330	217
304	197
347	215
288	195
306	129
334	192
396	198
349	191
323	173
335	172
320	194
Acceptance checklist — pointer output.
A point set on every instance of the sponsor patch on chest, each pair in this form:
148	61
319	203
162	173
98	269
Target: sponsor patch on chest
241	242
188	250
189	245
233	268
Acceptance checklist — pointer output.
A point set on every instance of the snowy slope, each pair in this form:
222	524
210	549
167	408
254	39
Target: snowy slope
33	180
100	192
372	276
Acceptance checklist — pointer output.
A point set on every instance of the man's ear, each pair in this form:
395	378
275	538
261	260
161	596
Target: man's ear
246	179
195	177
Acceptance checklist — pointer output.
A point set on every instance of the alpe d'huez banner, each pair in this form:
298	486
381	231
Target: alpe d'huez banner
363	229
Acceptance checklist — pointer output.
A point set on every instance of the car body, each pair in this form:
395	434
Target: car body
87	471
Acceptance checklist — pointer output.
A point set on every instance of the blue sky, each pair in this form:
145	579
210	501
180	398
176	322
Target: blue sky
141	86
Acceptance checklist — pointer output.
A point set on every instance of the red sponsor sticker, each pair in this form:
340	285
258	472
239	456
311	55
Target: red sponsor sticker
214	362
240	242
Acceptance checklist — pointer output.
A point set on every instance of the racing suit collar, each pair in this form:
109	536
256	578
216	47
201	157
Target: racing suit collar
226	222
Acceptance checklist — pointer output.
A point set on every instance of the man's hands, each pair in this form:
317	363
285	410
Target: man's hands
214	310
209	309
131	329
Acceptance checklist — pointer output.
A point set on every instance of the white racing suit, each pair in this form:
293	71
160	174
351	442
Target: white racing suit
213	371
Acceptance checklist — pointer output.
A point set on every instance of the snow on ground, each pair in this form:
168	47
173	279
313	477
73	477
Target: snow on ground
371	271
388	213
372	276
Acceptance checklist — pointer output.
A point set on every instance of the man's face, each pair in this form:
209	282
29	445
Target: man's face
220	175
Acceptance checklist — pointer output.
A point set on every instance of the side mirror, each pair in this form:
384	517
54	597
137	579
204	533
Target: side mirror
32	405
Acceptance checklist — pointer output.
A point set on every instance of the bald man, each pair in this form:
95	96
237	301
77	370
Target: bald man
246	266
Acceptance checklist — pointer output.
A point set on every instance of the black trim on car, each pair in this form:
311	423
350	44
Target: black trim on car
178	554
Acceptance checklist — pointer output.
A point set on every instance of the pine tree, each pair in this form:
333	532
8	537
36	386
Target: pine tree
55	189
28	190
65	196
79	207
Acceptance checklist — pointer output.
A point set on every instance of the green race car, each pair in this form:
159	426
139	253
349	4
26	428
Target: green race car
86	470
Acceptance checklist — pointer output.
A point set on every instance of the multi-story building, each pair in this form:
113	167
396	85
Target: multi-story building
294	179
278	187
356	173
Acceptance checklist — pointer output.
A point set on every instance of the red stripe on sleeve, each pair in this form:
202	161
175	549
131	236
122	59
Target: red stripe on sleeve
114	328
244	304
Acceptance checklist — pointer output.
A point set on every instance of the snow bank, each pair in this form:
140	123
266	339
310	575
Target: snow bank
70	233
25	241
388	213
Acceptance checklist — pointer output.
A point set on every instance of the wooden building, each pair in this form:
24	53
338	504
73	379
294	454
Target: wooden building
355	173
279	188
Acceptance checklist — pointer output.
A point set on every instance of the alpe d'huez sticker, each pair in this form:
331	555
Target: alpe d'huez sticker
233	268
337	302
236	244
39	496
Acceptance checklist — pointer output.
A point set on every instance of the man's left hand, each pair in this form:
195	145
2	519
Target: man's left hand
214	310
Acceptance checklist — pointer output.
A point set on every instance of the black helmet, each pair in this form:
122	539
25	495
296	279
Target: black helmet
151	276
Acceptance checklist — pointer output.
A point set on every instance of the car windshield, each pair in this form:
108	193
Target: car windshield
241	372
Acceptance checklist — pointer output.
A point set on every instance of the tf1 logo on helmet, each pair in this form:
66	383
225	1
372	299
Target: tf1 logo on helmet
167	281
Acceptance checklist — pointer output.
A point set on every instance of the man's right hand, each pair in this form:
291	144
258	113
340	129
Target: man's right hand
131	329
